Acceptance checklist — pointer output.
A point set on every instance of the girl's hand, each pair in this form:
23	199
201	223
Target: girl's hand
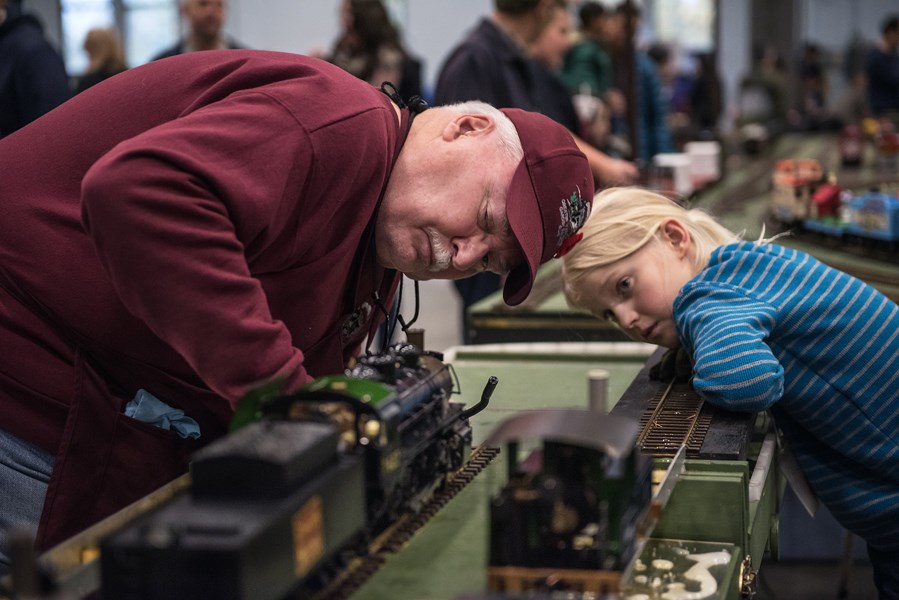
675	364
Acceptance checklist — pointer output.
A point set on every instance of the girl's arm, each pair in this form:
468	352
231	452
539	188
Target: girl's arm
728	333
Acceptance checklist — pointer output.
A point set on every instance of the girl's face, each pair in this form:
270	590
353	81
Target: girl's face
637	292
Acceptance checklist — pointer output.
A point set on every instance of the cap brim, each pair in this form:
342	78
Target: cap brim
522	202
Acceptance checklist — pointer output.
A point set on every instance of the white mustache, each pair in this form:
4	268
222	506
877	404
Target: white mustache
442	256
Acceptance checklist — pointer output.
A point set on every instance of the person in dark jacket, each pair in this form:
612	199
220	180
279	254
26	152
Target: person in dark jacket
883	70
205	28
214	220
33	78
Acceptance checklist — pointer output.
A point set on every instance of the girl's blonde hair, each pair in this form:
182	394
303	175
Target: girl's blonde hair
625	219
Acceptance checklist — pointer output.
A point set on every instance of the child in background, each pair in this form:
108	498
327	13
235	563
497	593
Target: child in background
768	328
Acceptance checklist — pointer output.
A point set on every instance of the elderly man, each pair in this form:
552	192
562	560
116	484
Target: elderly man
205	20
198	225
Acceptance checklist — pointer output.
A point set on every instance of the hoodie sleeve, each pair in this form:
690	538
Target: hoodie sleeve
174	212
726	332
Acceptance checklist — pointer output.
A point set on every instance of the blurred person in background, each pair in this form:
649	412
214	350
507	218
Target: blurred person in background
33	78
675	87
492	63
812	83
706	98
584	114
371	49
205	21
883	70
549	51
762	103
652	133
587	68
104	51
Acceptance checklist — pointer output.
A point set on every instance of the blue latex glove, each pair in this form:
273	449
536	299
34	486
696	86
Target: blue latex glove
148	408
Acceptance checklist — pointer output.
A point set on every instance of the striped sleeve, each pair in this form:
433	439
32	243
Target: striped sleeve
726	333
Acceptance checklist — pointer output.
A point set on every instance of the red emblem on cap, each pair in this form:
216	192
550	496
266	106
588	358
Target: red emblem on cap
568	244
573	214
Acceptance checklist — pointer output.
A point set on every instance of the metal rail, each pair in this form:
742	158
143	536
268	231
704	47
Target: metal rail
674	417
360	569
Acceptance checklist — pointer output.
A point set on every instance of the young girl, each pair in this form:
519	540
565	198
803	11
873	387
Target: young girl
767	328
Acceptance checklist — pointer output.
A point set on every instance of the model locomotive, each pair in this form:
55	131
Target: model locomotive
305	479
802	198
573	507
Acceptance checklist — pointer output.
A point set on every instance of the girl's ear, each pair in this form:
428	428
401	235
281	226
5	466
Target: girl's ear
676	235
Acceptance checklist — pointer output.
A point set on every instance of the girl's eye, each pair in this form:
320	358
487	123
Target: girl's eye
625	285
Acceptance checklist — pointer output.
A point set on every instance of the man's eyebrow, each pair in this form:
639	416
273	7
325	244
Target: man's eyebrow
484	208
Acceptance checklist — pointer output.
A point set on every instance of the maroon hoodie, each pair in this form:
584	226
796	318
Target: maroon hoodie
193	227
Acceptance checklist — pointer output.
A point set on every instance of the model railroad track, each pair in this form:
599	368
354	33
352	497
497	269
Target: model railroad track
675	416
360	569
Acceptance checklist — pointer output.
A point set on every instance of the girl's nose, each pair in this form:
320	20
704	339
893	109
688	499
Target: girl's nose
625	315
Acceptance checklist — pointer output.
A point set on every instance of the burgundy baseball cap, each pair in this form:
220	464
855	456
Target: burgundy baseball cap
549	199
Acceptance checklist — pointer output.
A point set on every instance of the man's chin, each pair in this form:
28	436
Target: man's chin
444	274
425	276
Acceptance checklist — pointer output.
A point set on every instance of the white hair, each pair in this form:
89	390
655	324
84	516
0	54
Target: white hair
509	141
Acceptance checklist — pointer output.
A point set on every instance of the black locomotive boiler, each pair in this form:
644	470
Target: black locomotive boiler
305	479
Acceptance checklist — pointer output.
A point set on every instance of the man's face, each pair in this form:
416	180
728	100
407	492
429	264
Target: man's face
892	38
555	40
206	16
614	29
444	212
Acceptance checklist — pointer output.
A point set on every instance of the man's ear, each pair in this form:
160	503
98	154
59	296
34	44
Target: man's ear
468	125
674	233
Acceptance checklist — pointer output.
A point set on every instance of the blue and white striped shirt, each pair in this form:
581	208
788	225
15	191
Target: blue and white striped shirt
771	327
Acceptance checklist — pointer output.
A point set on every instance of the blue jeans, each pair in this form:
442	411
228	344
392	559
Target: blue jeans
886	573
24	474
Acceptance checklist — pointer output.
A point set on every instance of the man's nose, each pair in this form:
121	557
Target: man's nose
468	252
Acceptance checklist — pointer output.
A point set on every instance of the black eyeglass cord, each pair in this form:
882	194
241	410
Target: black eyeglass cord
416	104
389	327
